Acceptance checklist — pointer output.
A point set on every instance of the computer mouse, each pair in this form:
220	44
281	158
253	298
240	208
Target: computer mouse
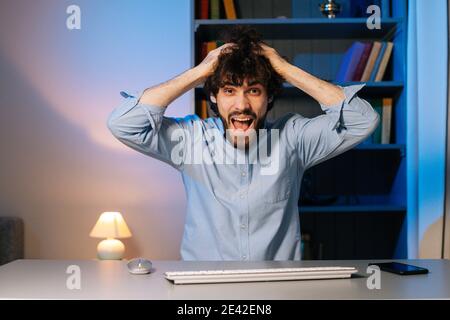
139	266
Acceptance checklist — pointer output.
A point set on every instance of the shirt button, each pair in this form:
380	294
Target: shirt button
243	226
243	173
244	257
124	94
242	195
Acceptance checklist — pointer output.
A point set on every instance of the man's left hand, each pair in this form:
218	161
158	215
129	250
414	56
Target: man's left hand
276	60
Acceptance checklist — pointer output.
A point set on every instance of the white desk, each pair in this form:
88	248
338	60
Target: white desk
46	279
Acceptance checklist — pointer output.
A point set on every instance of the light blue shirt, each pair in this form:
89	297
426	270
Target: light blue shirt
235	211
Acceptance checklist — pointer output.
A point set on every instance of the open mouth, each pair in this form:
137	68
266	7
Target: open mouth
242	122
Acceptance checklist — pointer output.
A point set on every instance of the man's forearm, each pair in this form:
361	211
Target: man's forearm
163	94
324	92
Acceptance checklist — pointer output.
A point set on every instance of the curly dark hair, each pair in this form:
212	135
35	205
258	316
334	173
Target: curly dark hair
235	64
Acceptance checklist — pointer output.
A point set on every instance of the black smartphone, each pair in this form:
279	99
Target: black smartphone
400	268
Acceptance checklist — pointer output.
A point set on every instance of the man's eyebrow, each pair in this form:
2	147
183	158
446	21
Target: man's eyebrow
254	82
251	83
228	83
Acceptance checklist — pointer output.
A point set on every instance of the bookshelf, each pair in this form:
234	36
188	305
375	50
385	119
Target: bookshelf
300	28
367	183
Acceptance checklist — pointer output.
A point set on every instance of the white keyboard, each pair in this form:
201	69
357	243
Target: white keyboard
249	275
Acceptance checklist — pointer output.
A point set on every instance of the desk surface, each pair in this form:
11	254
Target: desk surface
46	279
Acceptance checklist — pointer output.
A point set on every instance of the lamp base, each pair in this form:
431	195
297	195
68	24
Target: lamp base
110	249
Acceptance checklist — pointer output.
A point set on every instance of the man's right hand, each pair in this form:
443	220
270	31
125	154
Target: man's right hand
163	94
209	63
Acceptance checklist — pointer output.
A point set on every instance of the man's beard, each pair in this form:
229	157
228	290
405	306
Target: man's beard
250	133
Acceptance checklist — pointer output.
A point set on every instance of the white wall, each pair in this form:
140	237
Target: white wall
59	165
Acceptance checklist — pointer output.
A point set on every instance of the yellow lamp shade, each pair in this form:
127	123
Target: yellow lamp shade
110	225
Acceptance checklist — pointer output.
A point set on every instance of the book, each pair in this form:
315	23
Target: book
377	105
202	109
350	62
202	52
203	10
384	61
363	61
206	47
210	45
214	9
386	120
371	61
378	61
230	11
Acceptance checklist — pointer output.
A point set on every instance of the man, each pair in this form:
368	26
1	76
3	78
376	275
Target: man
241	210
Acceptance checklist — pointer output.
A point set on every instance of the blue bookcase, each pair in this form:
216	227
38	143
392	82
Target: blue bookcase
356	204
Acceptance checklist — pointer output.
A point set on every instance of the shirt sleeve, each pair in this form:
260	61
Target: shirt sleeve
144	128
341	128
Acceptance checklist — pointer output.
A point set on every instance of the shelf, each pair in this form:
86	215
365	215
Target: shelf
398	149
352	208
300	28
376	146
371	90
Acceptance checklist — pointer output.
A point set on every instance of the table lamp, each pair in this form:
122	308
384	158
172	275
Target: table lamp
110	225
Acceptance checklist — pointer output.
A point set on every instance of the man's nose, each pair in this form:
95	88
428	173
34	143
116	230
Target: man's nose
241	102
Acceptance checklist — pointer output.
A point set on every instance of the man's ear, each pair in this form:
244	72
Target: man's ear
270	99
213	99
